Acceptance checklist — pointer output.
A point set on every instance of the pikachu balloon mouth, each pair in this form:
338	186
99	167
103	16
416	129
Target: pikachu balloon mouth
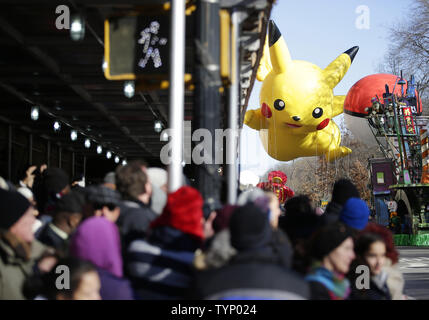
291	125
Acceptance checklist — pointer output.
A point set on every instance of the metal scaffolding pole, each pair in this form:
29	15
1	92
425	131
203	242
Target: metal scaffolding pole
73	164
84	167
177	93
30	149
59	157
9	153
48	154
233	111
207	110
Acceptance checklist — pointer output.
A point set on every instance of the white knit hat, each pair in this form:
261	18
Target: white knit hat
157	176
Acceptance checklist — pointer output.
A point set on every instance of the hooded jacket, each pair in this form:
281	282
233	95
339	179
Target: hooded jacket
97	240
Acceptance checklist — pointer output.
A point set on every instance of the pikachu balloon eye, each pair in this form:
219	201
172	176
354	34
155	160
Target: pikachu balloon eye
317	113
279	104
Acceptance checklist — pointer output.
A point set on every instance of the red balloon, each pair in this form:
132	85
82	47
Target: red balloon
360	94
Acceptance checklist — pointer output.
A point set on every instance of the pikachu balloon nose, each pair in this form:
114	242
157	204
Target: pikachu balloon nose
297	103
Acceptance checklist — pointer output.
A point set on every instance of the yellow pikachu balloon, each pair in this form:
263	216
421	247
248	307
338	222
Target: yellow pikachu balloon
298	104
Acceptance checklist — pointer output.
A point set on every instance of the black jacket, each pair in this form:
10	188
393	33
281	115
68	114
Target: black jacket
318	291
332	213
49	237
375	292
378	290
134	221
262	273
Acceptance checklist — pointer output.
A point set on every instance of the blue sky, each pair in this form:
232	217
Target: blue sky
318	31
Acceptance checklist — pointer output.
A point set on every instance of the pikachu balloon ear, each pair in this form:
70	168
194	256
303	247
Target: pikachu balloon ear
279	52
338	68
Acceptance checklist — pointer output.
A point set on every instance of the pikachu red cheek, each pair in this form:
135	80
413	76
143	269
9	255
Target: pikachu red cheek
266	111
323	124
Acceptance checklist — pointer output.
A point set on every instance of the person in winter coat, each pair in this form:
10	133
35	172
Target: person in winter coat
135	188
395	279
83	282
102	202
97	240
299	222
67	216
158	178
355	214
261	267
331	249
19	251
160	266
219	250
343	190
371	252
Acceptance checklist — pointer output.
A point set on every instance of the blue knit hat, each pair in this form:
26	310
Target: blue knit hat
355	213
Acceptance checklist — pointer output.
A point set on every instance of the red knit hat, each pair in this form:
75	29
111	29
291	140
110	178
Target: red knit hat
183	211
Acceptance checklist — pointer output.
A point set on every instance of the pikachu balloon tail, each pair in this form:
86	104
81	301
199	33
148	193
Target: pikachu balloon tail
298	104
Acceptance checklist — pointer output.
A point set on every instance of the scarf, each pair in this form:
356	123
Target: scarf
338	286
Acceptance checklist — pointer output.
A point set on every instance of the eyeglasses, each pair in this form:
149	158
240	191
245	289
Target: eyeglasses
99	206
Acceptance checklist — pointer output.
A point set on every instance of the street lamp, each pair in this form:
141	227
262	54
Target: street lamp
77	27
129	89
73	135
35	113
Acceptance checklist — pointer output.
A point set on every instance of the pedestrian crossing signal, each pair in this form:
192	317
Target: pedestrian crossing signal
137	47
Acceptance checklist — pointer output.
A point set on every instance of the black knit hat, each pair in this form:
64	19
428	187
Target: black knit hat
72	202
55	180
328	239
343	190
13	205
250	228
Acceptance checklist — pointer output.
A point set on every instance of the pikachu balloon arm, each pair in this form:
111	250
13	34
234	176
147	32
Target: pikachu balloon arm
255	120
338	105
332	136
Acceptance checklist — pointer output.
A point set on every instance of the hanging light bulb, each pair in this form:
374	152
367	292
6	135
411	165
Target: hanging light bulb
57	126
108	154
104	65
99	149
87	143
77	27
157	126
164	136
73	135
124	162
35	113
116	159
129	89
